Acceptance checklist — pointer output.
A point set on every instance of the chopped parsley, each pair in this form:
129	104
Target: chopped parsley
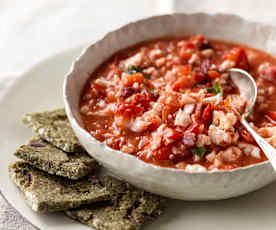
216	90
199	151
146	76
134	69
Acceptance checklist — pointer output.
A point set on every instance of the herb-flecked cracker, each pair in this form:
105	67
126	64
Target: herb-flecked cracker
130	210
47	193
54	127
47	157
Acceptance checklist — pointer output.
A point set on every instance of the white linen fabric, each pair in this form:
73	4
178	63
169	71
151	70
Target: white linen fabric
34	29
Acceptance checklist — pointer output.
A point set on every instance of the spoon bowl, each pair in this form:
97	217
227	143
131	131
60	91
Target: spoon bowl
247	87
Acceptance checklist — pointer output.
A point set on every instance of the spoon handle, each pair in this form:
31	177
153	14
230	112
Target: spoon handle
268	150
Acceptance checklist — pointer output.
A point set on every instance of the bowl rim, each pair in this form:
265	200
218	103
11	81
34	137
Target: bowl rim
84	132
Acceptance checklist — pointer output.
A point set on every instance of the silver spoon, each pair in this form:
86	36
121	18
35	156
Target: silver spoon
248	90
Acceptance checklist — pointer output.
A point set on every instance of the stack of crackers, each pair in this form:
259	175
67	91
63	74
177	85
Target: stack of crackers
56	174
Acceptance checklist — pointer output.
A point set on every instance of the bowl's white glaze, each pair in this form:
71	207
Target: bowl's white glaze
165	181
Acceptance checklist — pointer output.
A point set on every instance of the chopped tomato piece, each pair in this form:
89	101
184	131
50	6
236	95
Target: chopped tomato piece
142	99
171	135
137	77
183	69
272	115
200	78
189	45
183	82
269	74
206	117
186	80
238	56
213	74
100	88
128	110
184	54
155	122
163	154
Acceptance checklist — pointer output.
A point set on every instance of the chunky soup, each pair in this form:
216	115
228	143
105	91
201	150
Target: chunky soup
170	102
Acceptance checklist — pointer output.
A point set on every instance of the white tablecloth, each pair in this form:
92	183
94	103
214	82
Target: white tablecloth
34	29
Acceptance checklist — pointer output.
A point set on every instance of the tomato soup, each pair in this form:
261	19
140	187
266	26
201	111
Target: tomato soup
170	102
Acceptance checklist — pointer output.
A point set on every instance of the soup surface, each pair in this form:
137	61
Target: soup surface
170	102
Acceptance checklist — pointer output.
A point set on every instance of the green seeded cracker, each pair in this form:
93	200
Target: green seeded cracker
54	127
47	157
47	193
130	209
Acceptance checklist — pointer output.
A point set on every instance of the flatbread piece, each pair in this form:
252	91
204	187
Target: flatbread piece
47	193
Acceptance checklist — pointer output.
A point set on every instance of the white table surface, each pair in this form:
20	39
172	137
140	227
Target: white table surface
32	30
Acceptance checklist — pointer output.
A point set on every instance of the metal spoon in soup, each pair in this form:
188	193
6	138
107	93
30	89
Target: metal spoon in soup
248	90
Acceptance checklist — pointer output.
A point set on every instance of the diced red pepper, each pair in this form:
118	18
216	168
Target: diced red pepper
238	56
171	135
206	117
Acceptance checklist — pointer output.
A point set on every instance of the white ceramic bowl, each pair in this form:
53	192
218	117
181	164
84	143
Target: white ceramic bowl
166	181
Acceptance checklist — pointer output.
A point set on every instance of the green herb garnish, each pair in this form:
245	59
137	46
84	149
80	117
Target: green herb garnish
146	76
134	69
216	90
199	151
